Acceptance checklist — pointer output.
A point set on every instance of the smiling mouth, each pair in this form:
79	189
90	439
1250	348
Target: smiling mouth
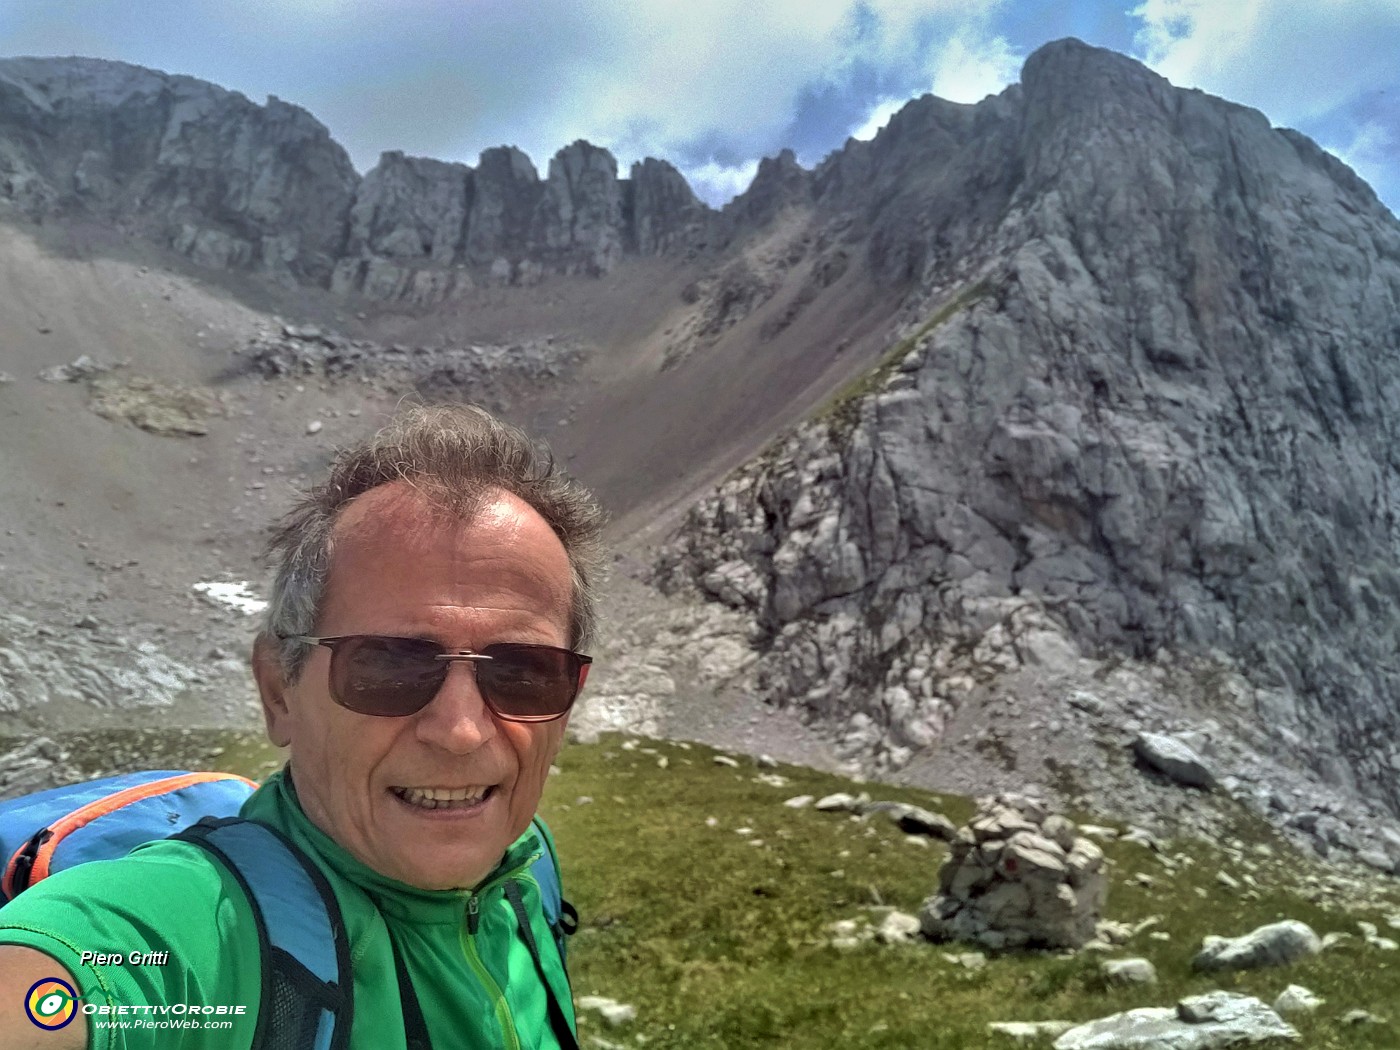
443	798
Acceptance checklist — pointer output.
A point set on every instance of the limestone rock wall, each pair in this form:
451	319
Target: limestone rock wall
234	185
227	182
1150	387
665	215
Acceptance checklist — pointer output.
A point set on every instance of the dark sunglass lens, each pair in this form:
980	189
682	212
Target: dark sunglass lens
386	676
528	681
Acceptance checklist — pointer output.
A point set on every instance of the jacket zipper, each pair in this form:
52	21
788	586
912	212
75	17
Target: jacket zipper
468	939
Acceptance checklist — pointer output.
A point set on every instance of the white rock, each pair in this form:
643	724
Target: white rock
613	1012
1360	1017
1030	1031
897	928
1097	832
1277	944
1295	999
1202	1022
1129	971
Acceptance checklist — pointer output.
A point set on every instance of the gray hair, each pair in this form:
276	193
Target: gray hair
455	456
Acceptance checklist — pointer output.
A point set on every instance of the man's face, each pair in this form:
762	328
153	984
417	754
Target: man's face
397	570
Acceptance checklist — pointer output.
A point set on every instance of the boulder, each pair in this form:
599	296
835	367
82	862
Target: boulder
1174	758
1277	944
1201	1022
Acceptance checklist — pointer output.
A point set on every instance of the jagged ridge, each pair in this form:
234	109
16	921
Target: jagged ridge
235	185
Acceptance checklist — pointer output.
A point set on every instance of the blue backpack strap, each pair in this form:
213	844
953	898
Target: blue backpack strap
307	989
559	913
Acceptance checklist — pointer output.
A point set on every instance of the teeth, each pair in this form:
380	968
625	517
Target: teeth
436	798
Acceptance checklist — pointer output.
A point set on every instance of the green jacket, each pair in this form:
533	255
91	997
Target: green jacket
475	979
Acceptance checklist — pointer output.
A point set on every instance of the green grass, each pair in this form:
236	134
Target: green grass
722	943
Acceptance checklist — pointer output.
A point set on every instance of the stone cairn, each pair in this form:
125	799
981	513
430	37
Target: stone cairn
1018	876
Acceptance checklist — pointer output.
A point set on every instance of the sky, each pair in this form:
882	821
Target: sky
714	85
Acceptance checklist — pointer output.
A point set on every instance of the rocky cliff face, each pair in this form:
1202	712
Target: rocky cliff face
1147	399
234	185
229	183
665	215
1135	447
446	225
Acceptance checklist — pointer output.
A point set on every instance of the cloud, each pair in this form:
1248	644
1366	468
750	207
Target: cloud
972	66
714	86
1293	59
1370	153
967	66
716	184
878	118
1325	68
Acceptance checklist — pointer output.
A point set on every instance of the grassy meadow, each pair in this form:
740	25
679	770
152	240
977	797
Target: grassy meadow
719	937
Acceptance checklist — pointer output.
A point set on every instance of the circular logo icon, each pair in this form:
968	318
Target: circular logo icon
51	1003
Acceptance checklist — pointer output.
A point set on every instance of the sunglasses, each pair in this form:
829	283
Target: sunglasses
394	677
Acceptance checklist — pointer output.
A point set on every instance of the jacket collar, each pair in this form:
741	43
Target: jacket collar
276	803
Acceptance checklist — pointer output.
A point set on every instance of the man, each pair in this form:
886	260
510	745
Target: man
418	659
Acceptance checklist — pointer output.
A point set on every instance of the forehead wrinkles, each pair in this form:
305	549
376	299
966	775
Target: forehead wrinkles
399	517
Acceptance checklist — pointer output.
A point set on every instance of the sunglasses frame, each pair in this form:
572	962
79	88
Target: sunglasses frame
446	656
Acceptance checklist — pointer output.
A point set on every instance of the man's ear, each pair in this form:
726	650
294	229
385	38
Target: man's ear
272	687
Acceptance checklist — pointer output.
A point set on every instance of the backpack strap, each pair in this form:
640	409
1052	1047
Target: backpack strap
559	913
557	1020
415	1028
307	990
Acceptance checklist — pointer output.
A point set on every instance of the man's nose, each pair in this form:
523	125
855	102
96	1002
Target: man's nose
457	719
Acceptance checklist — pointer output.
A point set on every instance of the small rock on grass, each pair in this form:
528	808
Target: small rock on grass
1030	1031
612	1011
1295	999
897	928
914	820
1360	1017
967	960
1129	971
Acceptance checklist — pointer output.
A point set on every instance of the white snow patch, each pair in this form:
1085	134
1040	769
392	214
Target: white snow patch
235	594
